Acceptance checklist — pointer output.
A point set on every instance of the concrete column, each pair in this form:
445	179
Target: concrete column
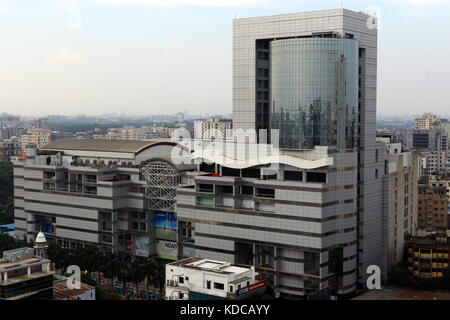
114	229
29	271
254	255
304	176
275	267
5	276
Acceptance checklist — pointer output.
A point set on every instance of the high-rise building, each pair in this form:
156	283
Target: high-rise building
317	222
400	204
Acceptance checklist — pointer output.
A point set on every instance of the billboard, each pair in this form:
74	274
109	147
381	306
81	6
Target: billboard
166	249
166	225
188	252
252	287
141	245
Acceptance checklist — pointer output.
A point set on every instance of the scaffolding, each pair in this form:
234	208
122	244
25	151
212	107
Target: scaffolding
162	179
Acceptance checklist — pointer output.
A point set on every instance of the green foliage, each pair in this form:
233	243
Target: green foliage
423	180
401	276
6	193
8	243
6	180
445	281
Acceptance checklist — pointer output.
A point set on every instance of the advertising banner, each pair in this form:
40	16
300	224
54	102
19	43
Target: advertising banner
167	249
251	288
141	245
166	225
188	252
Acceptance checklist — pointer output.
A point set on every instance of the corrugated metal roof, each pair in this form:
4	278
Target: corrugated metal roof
99	145
61	291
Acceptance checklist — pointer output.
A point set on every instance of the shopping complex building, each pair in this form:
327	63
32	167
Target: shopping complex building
302	204
99	192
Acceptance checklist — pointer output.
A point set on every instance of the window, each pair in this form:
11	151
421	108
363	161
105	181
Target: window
231	288
219	286
376	155
265	193
208	284
320	177
293	175
251	173
311	265
376	173
181	280
203	201
248	190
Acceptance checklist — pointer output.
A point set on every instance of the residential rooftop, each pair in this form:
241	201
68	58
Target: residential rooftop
201	264
61	291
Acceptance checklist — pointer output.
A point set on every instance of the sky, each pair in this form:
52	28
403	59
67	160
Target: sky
165	56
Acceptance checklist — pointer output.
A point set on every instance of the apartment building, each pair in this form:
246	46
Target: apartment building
400	193
10	148
436	163
203	279
212	128
427	256
117	195
37	137
425	122
432	207
40	124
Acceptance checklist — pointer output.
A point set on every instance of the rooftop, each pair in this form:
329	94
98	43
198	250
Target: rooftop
209	265
102	145
394	293
61	291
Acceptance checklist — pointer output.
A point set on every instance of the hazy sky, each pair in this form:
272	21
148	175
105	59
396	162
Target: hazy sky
164	56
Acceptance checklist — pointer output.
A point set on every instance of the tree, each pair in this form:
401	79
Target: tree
149	270
137	272
401	276
159	277
123	274
110	267
446	278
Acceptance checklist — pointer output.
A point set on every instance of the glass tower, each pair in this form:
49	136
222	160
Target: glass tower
314	92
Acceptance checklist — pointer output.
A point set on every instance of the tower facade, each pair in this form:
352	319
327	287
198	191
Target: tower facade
313	76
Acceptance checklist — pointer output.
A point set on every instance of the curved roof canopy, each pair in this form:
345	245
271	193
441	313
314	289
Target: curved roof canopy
126	146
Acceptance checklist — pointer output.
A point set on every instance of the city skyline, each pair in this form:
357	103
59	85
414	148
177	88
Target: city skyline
71	57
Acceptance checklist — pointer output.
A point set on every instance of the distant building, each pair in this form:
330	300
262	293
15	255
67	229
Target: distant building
425	121
213	128
38	138
429	140
428	255
26	274
436	163
40	124
10	148
432	207
203	279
